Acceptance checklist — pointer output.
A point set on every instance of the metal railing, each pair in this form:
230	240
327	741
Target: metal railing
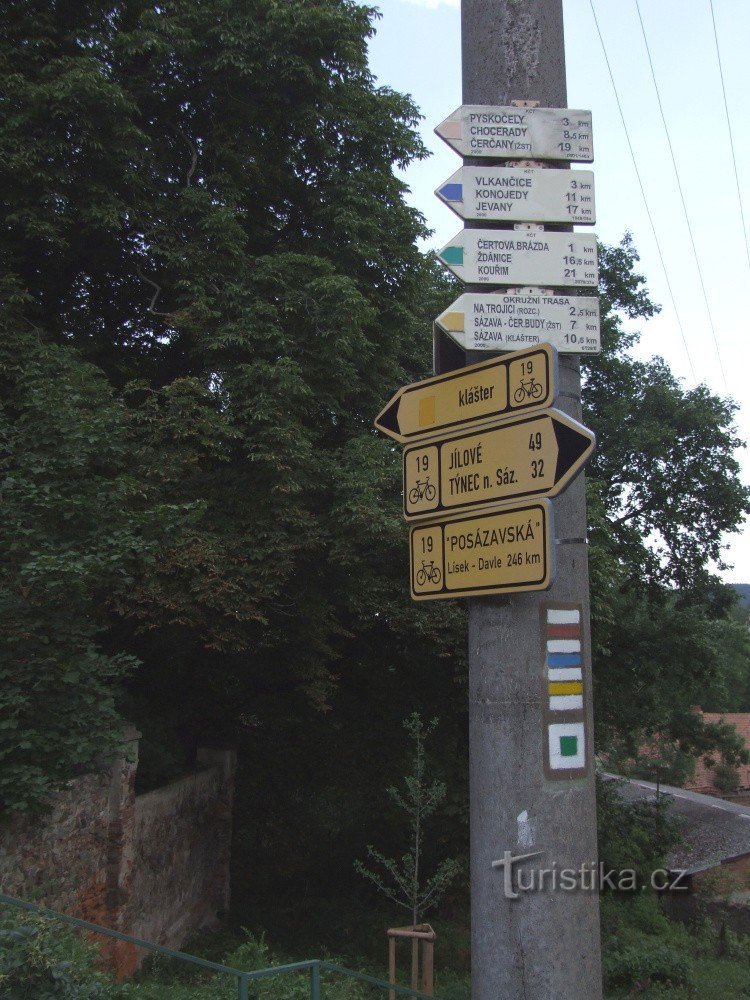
314	967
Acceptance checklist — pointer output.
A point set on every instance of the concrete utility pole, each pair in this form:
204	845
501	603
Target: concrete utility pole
543	944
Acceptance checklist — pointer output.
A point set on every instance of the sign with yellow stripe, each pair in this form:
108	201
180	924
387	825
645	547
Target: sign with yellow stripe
565	687
486	321
566	755
516	383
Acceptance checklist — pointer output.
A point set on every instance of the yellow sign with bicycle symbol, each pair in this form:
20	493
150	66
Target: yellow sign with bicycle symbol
507	550
515	383
484	452
531	456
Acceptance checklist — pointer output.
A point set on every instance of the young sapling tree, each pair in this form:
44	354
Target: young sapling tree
403	880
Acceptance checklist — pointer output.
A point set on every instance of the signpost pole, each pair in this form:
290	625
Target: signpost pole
532	773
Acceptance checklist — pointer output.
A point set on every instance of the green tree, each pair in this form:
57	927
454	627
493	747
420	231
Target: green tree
200	200
664	489
732	694
75	532
636	836
403	880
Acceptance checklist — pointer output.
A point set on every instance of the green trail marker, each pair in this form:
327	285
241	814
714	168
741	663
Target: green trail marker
522	257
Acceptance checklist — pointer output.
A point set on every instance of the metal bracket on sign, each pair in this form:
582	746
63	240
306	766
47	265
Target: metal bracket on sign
526	163
525	104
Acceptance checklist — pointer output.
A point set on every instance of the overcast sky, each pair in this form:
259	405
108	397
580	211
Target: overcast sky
417	49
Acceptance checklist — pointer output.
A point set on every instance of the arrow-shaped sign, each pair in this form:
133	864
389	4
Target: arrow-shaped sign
516	383
496	552
487	321
514	257
511	194
530	456
509	133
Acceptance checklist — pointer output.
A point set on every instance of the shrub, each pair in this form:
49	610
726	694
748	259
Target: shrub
642	965
634	835
41	960
726	778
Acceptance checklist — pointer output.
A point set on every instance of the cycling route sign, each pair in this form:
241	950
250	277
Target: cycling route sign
514	132
515	383
530	456
502	551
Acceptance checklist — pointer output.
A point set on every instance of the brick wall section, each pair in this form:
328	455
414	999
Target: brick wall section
731	876
689	908
702	780
154	865
721	893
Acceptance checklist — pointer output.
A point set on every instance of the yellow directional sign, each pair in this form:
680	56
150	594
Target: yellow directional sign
515	383
529	456
498	552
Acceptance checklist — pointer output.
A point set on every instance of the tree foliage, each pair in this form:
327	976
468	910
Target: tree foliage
76	531
664	490
637	835
200	202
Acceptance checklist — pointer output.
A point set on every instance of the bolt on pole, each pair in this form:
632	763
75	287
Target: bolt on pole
532	787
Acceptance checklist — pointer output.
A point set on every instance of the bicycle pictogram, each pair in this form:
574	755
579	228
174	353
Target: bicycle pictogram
530	389
422	490
428	572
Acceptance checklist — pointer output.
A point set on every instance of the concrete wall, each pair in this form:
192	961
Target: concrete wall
153	865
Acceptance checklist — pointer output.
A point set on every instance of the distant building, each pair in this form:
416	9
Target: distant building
713	854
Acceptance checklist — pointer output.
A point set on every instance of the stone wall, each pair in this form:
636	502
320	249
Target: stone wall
154	865
182	845
72	859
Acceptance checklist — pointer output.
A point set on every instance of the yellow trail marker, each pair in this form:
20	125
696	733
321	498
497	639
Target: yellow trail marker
515	383
530	456
498	552
565	687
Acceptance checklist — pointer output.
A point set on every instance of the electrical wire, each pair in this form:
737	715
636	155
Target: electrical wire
731	138
682	199
643	192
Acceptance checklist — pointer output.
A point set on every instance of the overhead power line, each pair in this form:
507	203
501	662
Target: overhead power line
731	137
643	192
682	199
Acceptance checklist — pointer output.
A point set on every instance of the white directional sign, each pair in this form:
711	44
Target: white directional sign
522	257
544	133
502	322
533	194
